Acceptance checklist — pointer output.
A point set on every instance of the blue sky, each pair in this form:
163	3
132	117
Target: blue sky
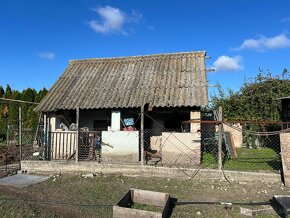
38	38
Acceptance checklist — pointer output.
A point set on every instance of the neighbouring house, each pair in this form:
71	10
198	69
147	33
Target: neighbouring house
285	115
107	97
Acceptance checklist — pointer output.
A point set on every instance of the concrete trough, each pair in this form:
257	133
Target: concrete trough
124	209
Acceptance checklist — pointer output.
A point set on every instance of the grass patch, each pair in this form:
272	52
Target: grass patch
108	189
261	159
146	207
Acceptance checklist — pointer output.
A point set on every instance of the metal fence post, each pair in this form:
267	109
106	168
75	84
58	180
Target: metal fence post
220	139
142	135
77	134
45	154
20	132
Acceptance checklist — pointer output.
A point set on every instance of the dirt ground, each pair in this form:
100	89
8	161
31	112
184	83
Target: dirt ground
85	196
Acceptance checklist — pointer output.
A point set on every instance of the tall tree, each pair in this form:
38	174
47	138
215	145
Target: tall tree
1	92
30	117
8	91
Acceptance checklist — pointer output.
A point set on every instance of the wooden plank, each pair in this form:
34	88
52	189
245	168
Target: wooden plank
63	145
66	146
149	197
123	212
230	142
51	143
59	143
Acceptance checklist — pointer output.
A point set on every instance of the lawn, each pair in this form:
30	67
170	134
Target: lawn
261	159
77	196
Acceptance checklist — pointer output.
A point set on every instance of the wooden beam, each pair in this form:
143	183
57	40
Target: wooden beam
142	135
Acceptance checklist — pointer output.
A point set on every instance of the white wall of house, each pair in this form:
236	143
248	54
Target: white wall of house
116	120
179	148
125	146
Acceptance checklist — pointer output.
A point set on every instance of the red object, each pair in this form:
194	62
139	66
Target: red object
130	128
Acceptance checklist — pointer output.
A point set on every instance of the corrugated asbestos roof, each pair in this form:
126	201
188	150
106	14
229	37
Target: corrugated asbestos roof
162	80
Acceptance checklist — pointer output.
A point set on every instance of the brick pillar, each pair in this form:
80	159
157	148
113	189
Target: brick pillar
285	155
194	115
196	136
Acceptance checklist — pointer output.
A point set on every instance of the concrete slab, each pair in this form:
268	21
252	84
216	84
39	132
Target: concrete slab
49	167
22	180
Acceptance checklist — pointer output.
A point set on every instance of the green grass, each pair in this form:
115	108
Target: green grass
146	207
108	190
261	159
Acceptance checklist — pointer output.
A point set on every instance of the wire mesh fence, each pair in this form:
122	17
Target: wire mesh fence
183	148
11	152
244	147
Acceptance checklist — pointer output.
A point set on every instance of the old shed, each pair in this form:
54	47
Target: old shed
129	102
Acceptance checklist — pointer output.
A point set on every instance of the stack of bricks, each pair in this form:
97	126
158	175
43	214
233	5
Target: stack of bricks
285	155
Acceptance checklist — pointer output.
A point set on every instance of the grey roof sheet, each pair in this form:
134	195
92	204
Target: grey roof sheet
162	80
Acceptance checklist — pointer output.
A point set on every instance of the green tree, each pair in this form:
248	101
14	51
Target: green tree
29	116
8	92
1	92
256	101
40	95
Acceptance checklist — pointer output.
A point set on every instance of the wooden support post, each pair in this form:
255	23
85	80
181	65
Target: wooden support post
48	139
77	134
20	132
142	136
45	137
220	139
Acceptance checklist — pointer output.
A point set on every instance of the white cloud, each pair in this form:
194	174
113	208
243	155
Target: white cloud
265	43
113	20
285	19
46	55
279	41
226	63
135	17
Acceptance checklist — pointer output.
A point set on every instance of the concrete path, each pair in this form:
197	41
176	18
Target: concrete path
22	180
